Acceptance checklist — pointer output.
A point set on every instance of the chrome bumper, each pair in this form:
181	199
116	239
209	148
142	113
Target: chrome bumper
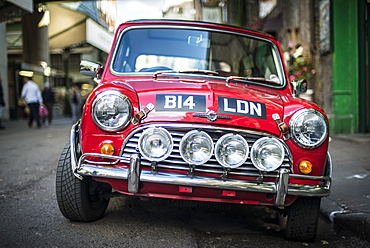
134	175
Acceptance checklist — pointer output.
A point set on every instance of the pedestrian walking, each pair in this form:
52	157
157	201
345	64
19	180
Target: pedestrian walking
2	104
48	99
31	94
75	103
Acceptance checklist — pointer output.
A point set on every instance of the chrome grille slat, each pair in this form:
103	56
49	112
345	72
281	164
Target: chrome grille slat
129	150
178	156
175	162
131	145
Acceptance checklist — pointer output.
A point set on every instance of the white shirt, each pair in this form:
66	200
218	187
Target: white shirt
31	92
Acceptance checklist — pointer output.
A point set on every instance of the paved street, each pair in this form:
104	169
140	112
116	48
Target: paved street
352	170
349	202
29	215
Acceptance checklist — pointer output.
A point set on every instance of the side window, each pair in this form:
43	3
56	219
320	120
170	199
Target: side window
265	60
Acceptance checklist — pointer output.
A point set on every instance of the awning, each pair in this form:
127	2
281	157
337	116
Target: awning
14	8
70	29
23	4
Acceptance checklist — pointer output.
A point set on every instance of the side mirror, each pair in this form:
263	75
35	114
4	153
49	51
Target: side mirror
299	87
91	69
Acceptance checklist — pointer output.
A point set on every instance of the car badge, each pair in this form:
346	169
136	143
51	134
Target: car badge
212	116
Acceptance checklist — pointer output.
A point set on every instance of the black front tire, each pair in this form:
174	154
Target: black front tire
302	219
79	200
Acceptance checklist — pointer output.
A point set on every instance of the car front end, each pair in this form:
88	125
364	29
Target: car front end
201	112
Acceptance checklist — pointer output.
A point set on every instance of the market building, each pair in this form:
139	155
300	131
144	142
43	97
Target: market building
51	39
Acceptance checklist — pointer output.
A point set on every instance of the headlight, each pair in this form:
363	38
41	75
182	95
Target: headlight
231	150
309	128
267	154
111	110
196	147
155	144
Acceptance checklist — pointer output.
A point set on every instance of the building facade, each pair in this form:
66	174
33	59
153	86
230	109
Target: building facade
51	39
332	39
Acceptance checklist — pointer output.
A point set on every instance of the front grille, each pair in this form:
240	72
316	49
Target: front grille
175	162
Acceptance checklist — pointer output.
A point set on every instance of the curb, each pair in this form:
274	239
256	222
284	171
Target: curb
354	138
357	223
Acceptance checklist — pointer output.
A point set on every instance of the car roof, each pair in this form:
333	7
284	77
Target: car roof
189	23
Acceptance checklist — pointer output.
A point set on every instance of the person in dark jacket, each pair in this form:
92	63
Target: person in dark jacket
76	103
48	98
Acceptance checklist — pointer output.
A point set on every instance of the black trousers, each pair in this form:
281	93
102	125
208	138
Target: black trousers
49	106
34	114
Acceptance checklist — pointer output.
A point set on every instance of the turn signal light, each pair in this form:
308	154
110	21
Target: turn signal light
107	149
305	167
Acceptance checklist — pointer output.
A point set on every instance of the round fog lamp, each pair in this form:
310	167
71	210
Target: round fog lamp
155	144
196	147
231	150
267	154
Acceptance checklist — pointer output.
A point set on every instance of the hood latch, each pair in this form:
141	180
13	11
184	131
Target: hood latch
284	129
142	114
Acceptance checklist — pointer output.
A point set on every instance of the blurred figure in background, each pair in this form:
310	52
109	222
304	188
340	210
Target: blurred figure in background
31	94
75	103
48	98
2	104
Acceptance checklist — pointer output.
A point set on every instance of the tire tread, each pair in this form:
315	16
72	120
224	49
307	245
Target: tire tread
302	220
71	192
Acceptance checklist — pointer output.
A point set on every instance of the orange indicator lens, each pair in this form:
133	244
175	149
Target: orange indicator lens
107	149
305	167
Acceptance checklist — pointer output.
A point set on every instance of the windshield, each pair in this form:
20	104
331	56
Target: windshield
185	50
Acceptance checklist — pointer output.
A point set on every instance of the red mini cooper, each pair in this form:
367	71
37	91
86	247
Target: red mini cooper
197	111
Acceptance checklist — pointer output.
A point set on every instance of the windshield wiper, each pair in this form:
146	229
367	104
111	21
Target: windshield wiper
215	73
207	72
155	75
253	79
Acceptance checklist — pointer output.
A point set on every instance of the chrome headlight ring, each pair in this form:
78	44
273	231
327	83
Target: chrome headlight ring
111	110
267	154
155	144
231	150
196	147
309	128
